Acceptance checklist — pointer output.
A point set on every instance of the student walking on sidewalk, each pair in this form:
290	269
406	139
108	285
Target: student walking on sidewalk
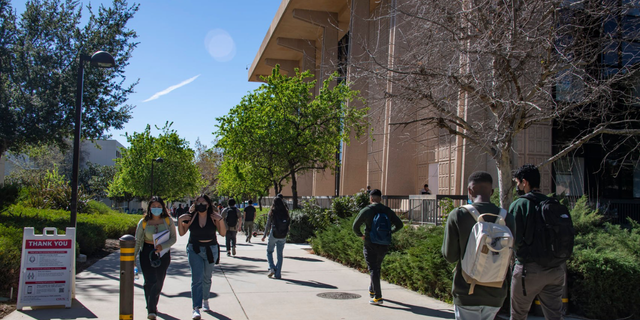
233	222
276	229
153	265
378	220
203	249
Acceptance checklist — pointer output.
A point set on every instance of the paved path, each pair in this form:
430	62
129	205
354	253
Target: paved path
242	290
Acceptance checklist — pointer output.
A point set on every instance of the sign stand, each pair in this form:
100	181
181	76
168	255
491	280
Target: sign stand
47	268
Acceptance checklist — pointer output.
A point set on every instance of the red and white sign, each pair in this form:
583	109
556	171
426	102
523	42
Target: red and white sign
47	269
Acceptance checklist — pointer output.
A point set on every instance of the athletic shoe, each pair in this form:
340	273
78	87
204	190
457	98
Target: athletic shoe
372	294
233	250
377	302
271	273
196	314
228	254
151	316
205	305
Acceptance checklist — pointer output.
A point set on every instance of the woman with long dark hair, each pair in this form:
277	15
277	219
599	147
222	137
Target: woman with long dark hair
202	221
276	229
154	265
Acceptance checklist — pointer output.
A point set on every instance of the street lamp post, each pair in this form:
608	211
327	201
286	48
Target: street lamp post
158	160
99	59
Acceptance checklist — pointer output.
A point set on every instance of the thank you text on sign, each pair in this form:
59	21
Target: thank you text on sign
47	268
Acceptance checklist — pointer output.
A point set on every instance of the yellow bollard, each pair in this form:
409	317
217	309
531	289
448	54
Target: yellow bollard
127	246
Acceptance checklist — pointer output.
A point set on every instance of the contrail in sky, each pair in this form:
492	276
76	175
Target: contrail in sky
167	90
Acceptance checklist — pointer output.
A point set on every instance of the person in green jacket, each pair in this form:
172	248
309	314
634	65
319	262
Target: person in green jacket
374	253
485	302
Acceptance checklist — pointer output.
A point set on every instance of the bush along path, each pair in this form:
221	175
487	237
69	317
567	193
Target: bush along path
603	273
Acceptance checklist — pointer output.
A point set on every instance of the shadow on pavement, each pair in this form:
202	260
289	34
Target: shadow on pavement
250	259
77	310
166	316
419	310
217	315
313	284
304	259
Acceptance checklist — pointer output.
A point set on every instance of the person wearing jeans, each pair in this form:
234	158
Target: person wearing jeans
203	251
277	238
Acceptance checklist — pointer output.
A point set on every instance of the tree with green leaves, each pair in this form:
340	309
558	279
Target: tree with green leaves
241	179
282	129
208	161
96	178
176	177
39	56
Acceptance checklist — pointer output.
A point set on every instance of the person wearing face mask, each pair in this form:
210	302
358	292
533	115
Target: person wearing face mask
203	250
530	277
154	267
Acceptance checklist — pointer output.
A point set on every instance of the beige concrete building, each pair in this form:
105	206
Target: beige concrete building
333	35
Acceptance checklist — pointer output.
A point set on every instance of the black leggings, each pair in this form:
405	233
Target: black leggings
153	277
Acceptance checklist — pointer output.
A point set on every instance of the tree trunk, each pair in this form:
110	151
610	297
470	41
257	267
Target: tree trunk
294	190
505	182
260	202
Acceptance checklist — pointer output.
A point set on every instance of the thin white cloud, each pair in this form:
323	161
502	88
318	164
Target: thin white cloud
167	90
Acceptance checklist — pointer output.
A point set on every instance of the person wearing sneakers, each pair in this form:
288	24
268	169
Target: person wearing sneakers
203	250
249	215
276	228
153	262
233	221
376	244
480	302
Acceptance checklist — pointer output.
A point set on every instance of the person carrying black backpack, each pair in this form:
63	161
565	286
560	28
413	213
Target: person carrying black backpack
379	221
233	220
276	228
544	238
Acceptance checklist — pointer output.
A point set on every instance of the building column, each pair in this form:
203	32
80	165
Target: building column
324	181
308	50
353	173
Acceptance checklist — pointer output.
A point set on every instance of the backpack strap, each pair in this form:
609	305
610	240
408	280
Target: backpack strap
474	212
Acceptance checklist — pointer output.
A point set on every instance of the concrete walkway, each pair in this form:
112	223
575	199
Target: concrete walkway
242	290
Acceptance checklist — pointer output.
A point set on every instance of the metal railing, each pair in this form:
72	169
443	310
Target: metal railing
426	209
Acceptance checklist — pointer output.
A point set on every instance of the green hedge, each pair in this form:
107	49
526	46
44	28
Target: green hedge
414	260
603	273
92	231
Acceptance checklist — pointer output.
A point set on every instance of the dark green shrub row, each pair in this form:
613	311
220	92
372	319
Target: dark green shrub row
414	260
10	244
92	229
603	273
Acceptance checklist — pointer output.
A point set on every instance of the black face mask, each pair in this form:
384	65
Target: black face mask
201	208
520	192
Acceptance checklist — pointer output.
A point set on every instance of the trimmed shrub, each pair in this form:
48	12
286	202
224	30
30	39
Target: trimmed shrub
10	246
419	264
301	228
414	260
8	195
97	207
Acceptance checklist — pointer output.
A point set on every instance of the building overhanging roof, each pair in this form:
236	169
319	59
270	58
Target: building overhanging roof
284	25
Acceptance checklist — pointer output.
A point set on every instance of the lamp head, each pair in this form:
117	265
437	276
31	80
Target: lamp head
159	160
102	59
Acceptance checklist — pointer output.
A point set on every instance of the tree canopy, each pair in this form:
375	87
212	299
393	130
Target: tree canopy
176	177
281	129
39	53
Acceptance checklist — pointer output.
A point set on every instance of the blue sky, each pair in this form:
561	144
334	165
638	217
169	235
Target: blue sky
183	80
